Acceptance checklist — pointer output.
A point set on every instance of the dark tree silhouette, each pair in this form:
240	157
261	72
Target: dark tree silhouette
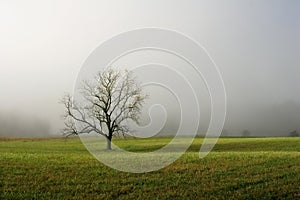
111	100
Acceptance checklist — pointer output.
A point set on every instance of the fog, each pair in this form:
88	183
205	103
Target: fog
18	125
255	44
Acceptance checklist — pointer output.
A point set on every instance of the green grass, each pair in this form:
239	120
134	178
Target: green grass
237	168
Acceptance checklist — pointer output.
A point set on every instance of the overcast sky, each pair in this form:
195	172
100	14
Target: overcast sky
255	43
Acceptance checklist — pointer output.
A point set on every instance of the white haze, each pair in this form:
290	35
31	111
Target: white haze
256	45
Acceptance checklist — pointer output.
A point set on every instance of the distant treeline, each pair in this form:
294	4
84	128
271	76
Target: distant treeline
14	125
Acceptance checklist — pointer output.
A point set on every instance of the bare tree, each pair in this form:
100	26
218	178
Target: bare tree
110	100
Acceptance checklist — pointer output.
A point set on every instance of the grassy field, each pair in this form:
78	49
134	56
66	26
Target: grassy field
237	168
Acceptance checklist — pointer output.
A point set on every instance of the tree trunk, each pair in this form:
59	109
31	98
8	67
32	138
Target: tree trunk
108	145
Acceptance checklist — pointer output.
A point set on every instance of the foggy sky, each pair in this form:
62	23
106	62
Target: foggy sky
255	43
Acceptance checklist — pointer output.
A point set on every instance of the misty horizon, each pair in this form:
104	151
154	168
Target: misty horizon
255	45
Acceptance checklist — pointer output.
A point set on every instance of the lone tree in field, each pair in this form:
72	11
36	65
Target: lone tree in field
110	100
